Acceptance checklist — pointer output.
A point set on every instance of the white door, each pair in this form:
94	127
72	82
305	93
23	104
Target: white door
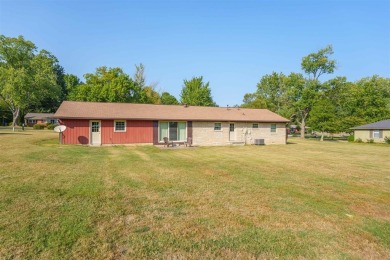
96	134
232	132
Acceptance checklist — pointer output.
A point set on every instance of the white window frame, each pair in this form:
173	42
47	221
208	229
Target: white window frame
257	125
120	131
32	121
376	134
220	126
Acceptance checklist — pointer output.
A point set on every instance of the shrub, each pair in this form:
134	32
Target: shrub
358	140
351	138
38	127
371	141
387	139
51	126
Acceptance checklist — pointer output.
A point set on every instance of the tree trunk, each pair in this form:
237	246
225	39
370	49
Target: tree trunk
303	126
15	116
322	136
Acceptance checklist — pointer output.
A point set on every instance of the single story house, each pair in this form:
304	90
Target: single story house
31	119
376	131
97	123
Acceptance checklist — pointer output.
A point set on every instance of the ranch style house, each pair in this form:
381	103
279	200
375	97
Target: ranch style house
96	123
376	131
31	119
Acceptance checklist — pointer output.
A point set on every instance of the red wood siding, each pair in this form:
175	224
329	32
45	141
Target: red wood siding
136	132
77	131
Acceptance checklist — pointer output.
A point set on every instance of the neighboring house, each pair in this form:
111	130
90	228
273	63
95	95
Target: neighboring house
376	131
124	123
31	119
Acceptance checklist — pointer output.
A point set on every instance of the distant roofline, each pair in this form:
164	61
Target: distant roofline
380	125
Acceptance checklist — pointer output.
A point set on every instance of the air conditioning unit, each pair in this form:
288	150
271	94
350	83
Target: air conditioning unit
259	142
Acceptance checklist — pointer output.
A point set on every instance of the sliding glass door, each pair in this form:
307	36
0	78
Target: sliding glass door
175	131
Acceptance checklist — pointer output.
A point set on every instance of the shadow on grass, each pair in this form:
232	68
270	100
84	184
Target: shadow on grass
288	142
14	133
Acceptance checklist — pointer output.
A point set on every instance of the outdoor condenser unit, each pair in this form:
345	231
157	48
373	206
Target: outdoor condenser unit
259	141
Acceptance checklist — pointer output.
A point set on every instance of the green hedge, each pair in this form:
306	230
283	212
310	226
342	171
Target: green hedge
38	127
51	126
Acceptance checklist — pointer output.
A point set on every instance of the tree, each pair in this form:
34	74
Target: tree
279	93
196	93
149	95
26	76
342	94
254	100
372	97
107	85
323	117
314	65
71	82
168	99
51	103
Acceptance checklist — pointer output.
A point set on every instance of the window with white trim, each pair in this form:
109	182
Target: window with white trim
255	126
376	134
120	125
217	126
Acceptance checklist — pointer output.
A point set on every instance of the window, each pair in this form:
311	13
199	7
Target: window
95	127
175	131
53	121
120	126
217	126
255	126
32	121
273	128
376	134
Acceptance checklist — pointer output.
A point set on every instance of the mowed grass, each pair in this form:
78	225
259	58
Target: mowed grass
308	199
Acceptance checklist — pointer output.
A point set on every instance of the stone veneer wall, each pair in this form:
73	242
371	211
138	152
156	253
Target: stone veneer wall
204	133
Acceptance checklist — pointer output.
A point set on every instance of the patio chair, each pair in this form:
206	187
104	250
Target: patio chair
189	141
167	142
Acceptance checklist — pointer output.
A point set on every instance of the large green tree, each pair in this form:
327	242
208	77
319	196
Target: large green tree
372	97
196	93
277	92
26	76
323	117
71	82
51	103
253	100
107	85
314	65
168	99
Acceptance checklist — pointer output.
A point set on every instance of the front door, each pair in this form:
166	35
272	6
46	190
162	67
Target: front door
96	135
232	133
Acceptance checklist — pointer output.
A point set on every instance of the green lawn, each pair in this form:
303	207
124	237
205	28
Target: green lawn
308	199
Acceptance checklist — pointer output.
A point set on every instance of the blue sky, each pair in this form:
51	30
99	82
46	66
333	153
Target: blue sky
232	44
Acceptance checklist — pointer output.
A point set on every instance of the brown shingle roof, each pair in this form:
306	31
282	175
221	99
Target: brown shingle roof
96	110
